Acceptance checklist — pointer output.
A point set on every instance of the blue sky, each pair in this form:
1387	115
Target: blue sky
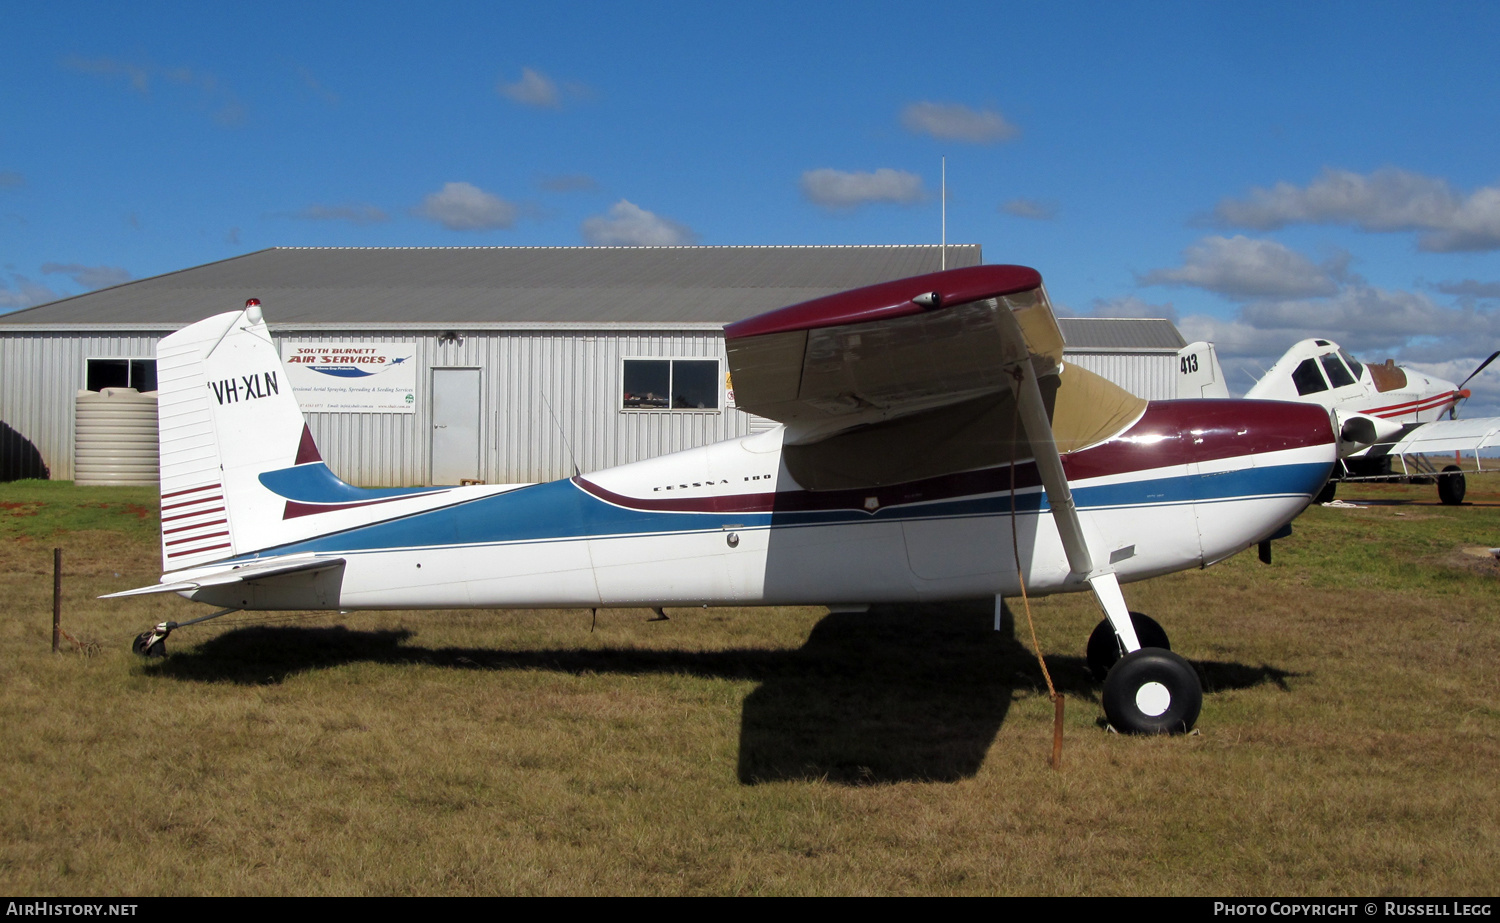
1260	172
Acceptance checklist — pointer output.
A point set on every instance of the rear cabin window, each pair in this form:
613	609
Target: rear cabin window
1338	376
139	374
1308	379
670	384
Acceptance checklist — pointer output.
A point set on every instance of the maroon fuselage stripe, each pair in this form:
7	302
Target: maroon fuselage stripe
1170	433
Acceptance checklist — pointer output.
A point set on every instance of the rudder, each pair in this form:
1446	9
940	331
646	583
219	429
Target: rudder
226	414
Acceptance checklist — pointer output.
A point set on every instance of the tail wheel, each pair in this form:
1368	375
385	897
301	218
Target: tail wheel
1452	487
1104	647
144	646
1152	691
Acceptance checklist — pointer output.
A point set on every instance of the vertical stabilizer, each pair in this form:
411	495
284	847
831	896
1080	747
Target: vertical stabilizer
1198	372
227	413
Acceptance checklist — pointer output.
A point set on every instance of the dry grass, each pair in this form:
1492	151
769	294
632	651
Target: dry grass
1349	739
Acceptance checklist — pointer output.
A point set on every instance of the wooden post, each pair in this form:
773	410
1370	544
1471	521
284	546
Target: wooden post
1057	730
56	597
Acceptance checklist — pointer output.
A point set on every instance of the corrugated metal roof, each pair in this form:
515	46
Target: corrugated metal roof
1118	334
500	284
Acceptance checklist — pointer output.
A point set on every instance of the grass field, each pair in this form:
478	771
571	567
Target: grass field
1349	741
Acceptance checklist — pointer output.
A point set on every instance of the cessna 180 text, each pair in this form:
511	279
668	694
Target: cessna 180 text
1383	412
925	422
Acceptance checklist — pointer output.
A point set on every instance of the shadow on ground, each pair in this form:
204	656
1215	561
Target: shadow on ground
899	693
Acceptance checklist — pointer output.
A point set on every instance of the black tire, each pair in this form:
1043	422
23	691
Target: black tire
139	648
1152	691
1104	647
1326	494
1452	487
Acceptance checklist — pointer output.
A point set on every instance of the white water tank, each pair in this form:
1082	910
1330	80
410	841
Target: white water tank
114	437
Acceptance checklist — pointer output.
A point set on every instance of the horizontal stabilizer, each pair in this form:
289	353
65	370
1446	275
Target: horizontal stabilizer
247	573
1445	436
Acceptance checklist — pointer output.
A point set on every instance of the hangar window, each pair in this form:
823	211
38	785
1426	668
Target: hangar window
139	374
1308	379
670	384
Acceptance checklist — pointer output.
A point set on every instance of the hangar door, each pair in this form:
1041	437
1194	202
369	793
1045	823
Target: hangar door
455	425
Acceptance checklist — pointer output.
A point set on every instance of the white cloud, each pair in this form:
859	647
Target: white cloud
1383	201
1470	288
464	207
23	293
533	89
89	277
1243	267
225	108
1030	208
353	212
954	122
629	225
137	76
839	190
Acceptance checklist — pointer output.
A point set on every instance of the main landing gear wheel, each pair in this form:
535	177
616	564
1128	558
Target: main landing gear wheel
1152	691
1451	487
1104	647
1326	494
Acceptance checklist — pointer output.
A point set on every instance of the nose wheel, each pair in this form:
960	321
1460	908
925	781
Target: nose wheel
1152	691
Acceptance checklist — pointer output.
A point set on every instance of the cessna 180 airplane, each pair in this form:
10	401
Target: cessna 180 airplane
1383	412
933	446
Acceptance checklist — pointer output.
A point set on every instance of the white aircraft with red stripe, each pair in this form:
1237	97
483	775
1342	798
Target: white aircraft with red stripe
1384	412
933	446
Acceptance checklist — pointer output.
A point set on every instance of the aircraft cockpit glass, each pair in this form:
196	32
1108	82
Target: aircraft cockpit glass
1353	363
1308	379
1337	374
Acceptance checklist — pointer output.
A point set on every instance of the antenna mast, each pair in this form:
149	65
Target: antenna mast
945	212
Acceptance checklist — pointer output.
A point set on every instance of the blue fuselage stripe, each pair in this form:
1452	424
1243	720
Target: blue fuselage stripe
561	510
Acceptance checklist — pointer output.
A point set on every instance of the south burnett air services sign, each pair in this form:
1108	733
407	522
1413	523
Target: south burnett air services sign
352	377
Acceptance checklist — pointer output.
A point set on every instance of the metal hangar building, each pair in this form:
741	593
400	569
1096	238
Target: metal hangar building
495	364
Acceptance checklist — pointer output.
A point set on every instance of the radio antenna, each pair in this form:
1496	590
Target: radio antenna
945	212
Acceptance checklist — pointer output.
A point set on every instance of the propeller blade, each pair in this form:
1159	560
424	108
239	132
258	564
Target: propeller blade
1480	369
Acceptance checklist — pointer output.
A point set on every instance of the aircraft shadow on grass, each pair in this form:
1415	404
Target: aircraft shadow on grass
899	693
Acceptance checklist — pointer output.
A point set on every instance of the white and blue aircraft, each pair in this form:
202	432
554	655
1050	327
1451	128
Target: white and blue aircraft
933	446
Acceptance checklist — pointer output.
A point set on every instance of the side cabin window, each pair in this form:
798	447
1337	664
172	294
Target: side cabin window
139	374
1353	363
670	384
1308	379
1338	376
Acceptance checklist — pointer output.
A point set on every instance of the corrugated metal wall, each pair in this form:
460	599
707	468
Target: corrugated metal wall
40	375
548	399
576	372
1152	376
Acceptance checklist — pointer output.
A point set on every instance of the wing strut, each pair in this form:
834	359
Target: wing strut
1103	582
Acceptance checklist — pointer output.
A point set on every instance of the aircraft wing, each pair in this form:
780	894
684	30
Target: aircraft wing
1443	436
247	573
893	349
926	376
